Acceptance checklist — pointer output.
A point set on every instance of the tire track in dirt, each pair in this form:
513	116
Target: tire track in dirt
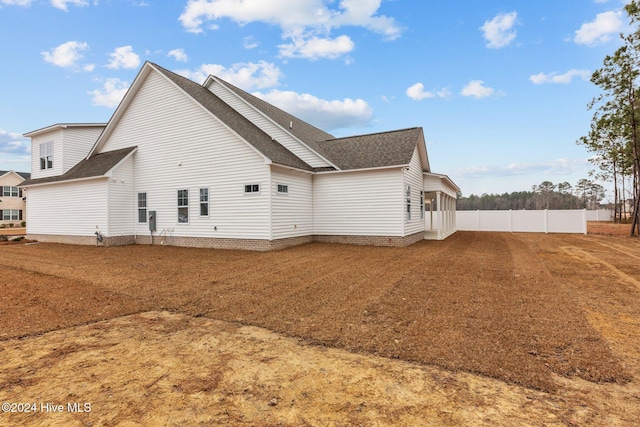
598	263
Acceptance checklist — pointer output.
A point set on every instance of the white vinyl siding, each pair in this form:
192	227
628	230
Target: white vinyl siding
414	179
181	146
292	212
268	126
367	203
55	137
77	143
73	208
122	200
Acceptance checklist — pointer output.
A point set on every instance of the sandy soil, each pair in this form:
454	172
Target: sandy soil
481	329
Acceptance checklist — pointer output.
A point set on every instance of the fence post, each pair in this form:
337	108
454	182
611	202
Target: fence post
510	221
584	221
546	220
478	219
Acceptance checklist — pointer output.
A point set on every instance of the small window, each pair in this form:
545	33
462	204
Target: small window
408	203
142	207
183	206
204	202
46	155
252	188
283	189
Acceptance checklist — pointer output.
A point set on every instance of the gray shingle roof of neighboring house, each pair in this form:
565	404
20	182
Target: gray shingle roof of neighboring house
25	175
255	136
393	148
95	166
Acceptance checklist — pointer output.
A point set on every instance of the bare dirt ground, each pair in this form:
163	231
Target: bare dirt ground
608	228
480	329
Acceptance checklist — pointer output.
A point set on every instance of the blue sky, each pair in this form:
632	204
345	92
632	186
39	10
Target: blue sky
500	87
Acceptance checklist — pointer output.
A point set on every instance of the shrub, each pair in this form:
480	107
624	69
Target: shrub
3	238
23	224
3	225
11	224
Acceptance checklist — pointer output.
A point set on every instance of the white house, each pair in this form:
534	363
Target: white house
12	205
213	166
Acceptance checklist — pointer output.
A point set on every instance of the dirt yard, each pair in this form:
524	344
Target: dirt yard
480	329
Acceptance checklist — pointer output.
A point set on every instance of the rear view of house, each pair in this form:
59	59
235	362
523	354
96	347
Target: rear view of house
213	166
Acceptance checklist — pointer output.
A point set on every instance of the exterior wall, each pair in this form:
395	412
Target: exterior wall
414	178
291	213
122	201
76	144
9	202
267	126
181	146
361	203
372	240
68	209
56	136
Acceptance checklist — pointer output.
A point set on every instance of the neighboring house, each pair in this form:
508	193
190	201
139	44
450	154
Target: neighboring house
12	204
213	166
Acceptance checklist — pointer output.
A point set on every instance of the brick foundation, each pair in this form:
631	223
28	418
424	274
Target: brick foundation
242	244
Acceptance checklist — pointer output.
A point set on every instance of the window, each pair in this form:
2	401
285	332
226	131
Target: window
252	188
142	207
11	215
46	155
422	205
283	189
408	204
183	206
204	202
8	191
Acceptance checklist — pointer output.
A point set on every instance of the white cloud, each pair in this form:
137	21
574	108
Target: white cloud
599	30
477	89
249	42
178	55
328	115
112	92
14	143
417	92
123	57
316	48
62	4
499	31
247	76
65	55
542	78
308	23
16	2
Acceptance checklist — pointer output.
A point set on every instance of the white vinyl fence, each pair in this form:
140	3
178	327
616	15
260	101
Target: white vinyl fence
541	221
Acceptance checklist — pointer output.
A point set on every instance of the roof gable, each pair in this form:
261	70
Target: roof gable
97	165
377	150
23	175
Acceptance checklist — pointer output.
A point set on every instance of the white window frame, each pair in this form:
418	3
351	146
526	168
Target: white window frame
407	202
46	155
11	215
10	191
183	204
204	202
252	188
142	209
282	189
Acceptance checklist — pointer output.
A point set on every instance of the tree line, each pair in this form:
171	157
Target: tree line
586	194
614	134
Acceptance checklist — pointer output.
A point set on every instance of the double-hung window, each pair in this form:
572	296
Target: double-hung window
11	215
142	207
8	191
183	206
46	155
204	202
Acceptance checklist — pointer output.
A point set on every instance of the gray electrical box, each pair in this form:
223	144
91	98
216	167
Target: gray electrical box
152	220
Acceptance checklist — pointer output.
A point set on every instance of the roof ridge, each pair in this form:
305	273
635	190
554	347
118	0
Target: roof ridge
374	133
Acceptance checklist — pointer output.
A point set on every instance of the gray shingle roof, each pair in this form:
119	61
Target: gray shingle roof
94	166
25	175
393	148
255	136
